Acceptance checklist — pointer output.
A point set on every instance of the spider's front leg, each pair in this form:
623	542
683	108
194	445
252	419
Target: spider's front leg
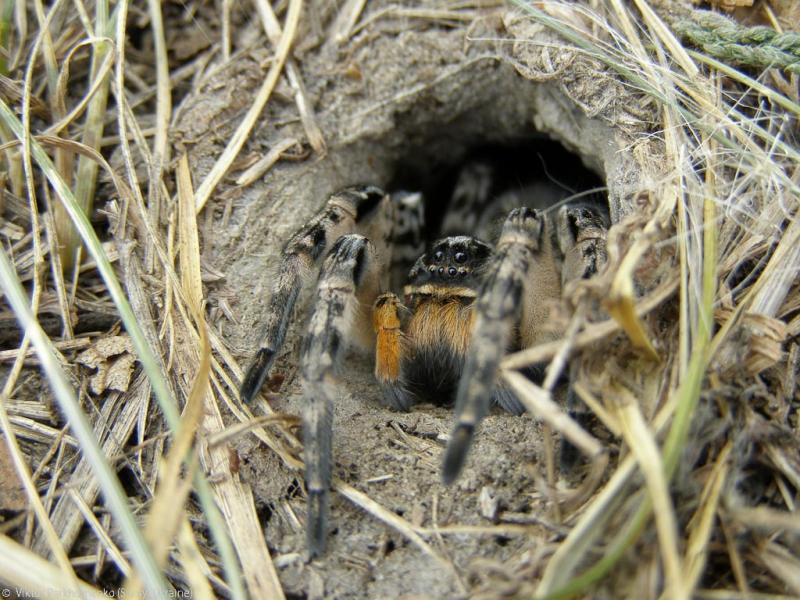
389	349
366	209
499	309
348	284
534	260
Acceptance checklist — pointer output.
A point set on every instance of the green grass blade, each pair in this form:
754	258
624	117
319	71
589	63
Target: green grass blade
145	354
114	495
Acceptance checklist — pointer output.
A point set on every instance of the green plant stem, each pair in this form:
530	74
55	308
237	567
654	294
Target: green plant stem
86	178
143	350
114	495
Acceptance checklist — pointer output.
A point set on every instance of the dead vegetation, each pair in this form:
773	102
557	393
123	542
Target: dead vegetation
126	362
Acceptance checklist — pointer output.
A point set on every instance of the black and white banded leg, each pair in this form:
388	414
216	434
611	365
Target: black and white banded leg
581	232
535	258
499	310
366	209
348	286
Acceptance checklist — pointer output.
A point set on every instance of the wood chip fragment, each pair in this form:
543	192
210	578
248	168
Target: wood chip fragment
487	501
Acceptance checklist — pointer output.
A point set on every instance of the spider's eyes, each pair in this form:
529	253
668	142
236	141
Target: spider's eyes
452	271
460	257
438	256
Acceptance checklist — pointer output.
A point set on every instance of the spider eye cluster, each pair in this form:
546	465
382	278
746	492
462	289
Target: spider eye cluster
451	260
458	256
449	271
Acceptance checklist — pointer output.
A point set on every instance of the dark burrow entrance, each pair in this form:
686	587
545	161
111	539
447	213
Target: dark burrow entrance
536	171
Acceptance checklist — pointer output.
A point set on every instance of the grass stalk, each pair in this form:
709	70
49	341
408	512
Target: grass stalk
687	395
215	521
114	495
86	178
6	15
21	568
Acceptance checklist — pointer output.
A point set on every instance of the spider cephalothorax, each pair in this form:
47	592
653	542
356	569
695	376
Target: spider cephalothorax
439	299
464	306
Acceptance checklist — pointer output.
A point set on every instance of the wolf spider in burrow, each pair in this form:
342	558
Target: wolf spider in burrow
465	305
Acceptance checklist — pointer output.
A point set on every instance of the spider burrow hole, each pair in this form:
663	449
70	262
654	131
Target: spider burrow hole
472	188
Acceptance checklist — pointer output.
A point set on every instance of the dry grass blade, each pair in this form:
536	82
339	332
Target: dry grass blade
233	497
642	443
58	274
538	403
609	421
304	106
398	523
260	167
24	475
237	141
100	79
621	305
591	334
114	494
766	519
783	563
702	526
572	551
24	570
65	516
234	431
164	518
590	526
668	39
86	178
432	14
95	248
193	564
102	535
346	20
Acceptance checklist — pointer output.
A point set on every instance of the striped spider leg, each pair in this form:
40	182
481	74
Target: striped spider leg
420	342
354	268
348	285
534	257
359	209
581	233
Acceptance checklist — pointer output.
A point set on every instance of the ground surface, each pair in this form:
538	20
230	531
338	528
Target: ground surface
701	392
395	459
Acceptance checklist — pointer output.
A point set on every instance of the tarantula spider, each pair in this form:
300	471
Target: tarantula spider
465	305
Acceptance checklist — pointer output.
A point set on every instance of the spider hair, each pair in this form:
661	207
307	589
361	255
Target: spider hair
348	275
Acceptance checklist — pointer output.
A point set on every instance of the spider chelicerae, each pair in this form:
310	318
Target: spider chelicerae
465	304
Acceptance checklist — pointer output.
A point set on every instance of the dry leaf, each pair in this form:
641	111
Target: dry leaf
112	373
759	344
767	336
